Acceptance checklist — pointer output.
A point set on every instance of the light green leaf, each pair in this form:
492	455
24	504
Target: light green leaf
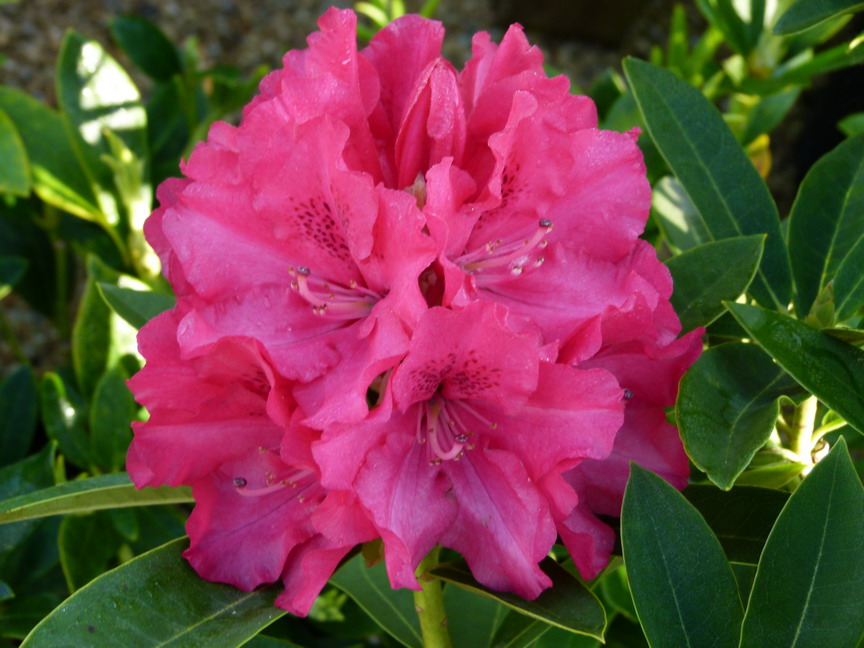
852	125
135	306
727	407
15	170
775	475
677	216
804	14
827	220
707	275
568	604
831	370
716	173
849	282
808	585
155	600
392	609
84	495
682	585
849	335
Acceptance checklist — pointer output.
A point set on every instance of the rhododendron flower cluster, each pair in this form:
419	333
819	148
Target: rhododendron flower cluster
412	305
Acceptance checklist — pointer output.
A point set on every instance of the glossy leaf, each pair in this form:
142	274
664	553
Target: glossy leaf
727	406
807	590
19	408
677	216
774	475
741	518
12	268
84	495
95	94
111	411
472	619
804	14
849	335
57	177
147	46
711	273
831	370
717	175
827	220
64	415
15	170
156	600
135	306
519	631
392	609
87	544
849	282
682	585
568	604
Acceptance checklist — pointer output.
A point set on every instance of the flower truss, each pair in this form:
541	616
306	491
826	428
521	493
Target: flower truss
412	305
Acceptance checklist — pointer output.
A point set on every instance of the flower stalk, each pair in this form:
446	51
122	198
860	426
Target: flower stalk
429	604
803	424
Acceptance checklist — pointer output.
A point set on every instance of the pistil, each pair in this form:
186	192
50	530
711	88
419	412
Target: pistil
501	260
330	299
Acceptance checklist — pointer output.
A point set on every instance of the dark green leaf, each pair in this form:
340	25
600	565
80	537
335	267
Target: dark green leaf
683	587
615	589
852	125
740	35
849	335
25	476
95	493
677	216
147	46
711	273
568	604
808	586
716	173
392	609
87	543
135	306
849	282
804	14
12	268
768	112
111	411
472	619
741	518
558	638
64	415
831	370
519	631
15	170
727	406
95	95
99	337
18	414
827	220
155	600
57	176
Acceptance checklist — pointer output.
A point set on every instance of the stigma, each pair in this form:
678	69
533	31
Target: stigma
330	299
504	259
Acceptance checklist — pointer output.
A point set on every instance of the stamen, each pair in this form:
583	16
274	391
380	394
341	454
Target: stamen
332	299
439	422
500	260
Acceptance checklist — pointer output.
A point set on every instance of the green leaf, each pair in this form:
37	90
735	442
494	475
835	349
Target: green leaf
111	412
135	306
831	370
391	609
808	586
742	35
57	176
804	14
64	415
568	604
95	94
18	414
472	619
156	600
519	631
12	268
147	46
849	282
727	407
768	112
827	219
683	587
25	476
15	170
99	337
87	544
716	173
852	125
677	216
774	475
849	335
84	495
615	589
741	518
707	275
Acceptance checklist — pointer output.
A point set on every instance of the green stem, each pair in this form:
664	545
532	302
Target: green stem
429	604
803	422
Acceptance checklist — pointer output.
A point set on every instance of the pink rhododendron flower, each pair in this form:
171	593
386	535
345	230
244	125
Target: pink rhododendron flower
412	305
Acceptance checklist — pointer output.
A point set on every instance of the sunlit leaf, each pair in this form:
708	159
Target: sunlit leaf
135	306
804	14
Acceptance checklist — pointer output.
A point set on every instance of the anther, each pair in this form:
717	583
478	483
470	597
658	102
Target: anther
628	394
239	482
